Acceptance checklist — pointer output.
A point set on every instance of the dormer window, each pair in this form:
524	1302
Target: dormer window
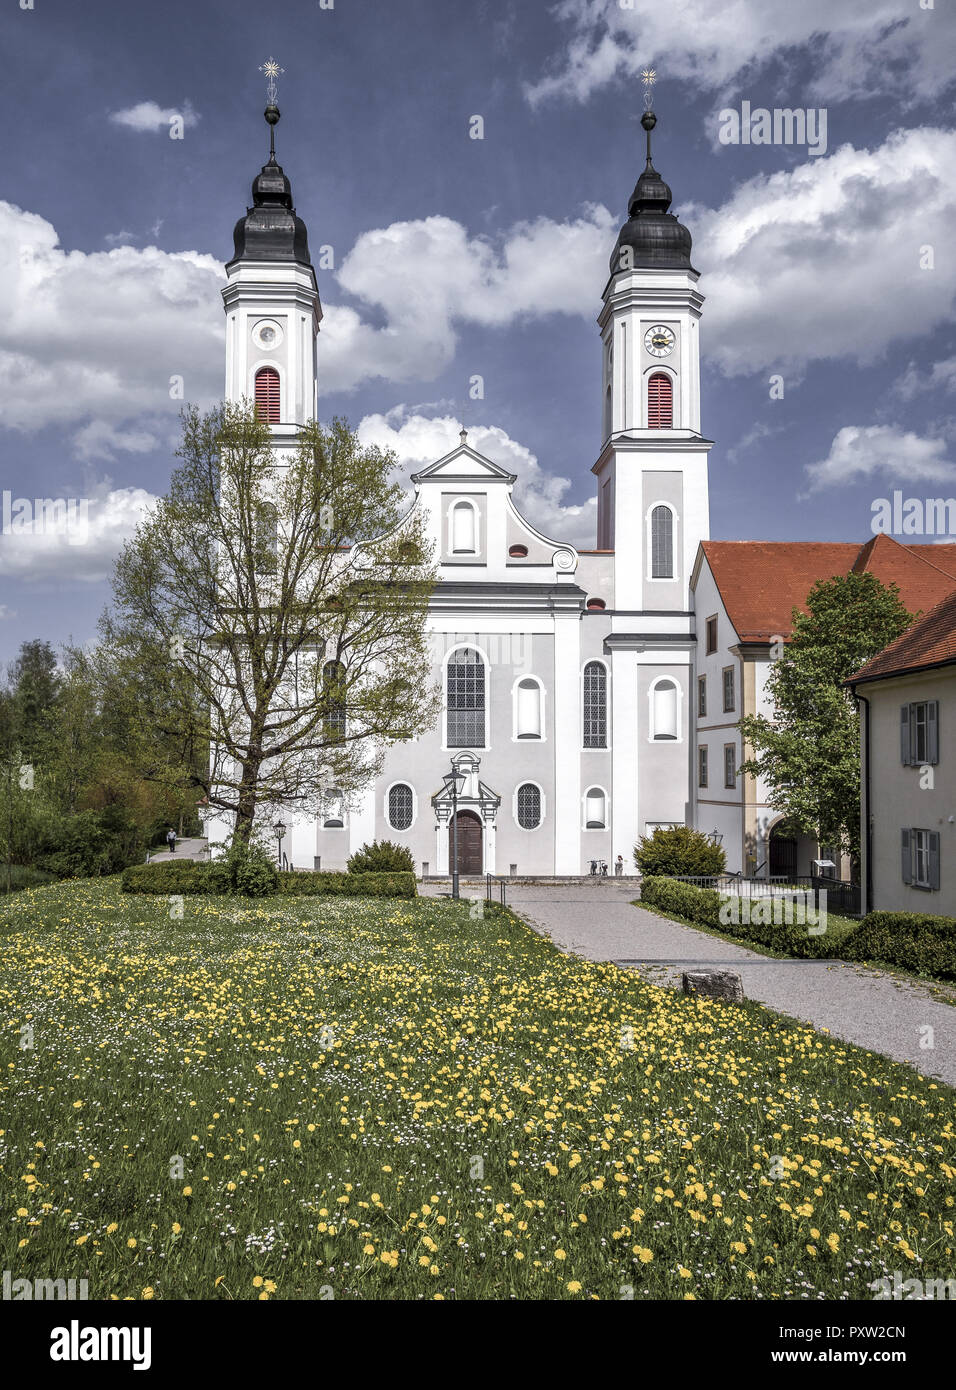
267	395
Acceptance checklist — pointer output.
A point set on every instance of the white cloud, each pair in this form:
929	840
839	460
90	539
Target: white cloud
74	542
427	278
716	43
97	336
917	379
6	613
823	261
149	117
539	495
859	452
100	440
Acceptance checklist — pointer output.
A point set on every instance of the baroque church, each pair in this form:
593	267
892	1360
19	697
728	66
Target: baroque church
588	695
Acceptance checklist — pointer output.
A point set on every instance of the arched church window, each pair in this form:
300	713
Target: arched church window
528	709
334	810
664	711
529	806
465	696
401	805
333	695
463	529
267	395
595	705
595	809
660	402
608	412
662	543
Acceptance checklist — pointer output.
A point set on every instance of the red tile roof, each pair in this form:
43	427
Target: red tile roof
761	582
931	641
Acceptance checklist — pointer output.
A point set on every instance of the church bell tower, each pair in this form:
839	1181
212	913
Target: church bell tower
652	470
272	304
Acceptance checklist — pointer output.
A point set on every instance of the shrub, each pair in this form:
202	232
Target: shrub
298	883
22	876
382	857
88	843
680	850
703	905
252	870
917	941
183	876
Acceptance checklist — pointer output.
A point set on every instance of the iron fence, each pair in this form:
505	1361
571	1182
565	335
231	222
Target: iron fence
842	897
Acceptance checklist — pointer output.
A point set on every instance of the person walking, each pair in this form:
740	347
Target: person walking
171	840
619	866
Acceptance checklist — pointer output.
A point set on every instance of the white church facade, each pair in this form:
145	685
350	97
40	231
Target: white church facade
572	695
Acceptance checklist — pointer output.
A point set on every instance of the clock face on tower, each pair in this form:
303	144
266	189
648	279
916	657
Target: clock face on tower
659	340
267	334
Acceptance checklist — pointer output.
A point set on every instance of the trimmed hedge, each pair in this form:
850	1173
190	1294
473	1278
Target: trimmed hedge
702	905
185	876
301	883
917	941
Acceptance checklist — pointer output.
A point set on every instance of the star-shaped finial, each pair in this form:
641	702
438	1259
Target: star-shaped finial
271	70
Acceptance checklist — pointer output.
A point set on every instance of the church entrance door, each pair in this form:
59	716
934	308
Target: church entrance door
469	843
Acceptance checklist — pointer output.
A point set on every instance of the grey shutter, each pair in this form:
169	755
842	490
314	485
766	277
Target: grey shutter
905	736
907	864
934	859
932	731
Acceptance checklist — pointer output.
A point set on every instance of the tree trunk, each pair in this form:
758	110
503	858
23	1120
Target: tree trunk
245	813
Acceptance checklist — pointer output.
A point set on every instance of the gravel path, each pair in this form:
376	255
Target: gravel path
874	1009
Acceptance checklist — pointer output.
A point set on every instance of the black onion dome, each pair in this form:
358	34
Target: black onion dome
655	237
270	230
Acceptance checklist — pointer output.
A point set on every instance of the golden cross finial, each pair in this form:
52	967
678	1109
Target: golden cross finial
272	71
648	77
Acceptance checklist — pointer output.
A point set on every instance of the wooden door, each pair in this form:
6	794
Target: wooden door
469	844
783	856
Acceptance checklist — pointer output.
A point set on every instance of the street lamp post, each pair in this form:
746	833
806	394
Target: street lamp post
454	782
280	831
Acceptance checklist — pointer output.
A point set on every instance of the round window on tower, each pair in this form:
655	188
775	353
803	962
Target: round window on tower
267	335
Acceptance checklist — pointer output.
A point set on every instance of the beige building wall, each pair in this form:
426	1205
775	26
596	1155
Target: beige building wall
918	797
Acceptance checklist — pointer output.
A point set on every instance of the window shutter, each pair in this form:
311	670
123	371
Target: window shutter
905	738
932	731
660	402
907	864
267	395
934	859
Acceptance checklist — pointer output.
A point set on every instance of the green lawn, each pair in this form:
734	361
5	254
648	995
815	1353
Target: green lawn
377	1099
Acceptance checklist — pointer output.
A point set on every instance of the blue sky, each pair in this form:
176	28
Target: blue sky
455	257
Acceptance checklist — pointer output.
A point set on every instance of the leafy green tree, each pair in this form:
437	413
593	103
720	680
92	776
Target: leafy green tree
808	755
275	615
34	686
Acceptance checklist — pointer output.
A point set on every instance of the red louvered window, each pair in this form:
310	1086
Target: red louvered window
660	402
267	395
